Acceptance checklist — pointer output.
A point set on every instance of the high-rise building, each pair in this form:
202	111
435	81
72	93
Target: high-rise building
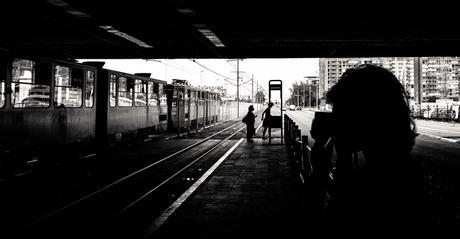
440	76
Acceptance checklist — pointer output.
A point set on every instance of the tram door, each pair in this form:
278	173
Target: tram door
275	95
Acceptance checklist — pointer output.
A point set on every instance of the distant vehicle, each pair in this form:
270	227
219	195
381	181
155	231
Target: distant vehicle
299	107
292	107
283	109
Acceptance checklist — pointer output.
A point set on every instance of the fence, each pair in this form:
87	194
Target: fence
436	112
298	149
312	166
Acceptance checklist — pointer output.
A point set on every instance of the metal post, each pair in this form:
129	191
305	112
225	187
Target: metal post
201	78
252	89
257	94
298	97
178	117
189	106
197	104
304	96
317	94
281	96
204	110
237	88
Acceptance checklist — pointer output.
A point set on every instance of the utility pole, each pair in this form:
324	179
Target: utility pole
237	88
252	89
298	96
304	95
257	94
317	94
201	78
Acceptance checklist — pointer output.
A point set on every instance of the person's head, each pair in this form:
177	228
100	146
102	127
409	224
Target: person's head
371	110
270	104
251	108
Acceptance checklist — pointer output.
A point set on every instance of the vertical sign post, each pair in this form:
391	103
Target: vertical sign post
276	121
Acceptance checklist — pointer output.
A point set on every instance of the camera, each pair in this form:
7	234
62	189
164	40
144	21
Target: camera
323	125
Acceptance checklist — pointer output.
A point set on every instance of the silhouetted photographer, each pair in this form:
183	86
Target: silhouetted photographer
378	186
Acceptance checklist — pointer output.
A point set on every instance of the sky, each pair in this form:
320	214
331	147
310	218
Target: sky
221	72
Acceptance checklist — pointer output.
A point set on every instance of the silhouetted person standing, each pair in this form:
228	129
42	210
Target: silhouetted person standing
266	121
379	185
249	120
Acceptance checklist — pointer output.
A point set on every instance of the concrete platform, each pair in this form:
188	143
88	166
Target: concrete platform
254	192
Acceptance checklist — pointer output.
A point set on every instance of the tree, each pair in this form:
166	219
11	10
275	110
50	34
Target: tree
299	94
259	97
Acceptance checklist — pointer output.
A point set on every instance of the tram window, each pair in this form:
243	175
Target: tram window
89	96
178	93
162	94
68	87
2	94
140	93
113	91
27	90
125	91
153	95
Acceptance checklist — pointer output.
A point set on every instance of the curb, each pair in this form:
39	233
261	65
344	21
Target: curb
442	138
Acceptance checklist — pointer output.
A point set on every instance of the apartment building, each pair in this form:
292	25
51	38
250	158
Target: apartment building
440	76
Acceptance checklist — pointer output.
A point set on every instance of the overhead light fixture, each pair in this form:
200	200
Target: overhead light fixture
77	13
68	8
210	35
186	11
125	36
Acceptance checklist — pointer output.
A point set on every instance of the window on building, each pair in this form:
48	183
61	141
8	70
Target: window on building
68	87
113	91
153	93
140	93
89	89
30	84
125	91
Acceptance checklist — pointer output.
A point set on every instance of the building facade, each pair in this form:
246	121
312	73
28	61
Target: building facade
439	76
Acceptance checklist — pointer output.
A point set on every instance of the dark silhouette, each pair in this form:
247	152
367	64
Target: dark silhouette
249	120
378	185
266	121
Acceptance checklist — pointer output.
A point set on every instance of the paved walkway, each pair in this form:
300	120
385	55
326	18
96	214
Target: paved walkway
252	193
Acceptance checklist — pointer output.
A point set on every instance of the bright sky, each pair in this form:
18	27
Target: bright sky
212	72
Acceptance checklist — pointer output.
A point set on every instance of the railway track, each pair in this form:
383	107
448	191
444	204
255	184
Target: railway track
138	195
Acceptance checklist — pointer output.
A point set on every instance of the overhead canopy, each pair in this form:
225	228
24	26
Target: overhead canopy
227	29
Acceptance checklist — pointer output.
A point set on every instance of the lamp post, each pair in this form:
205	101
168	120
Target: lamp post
317	94
310	80
201	78
304	95
237	86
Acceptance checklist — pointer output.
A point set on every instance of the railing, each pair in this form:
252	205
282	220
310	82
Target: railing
311	166
298	149
436	112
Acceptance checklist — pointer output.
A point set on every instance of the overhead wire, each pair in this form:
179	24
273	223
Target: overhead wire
225	78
